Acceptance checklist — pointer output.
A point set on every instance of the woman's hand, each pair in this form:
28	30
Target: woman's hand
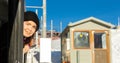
26	48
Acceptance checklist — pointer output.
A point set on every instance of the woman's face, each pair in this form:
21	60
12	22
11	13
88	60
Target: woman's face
29	28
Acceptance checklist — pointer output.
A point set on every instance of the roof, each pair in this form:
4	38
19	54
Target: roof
94	20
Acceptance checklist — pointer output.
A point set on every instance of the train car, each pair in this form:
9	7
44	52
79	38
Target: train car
11	19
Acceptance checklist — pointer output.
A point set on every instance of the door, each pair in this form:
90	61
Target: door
101	47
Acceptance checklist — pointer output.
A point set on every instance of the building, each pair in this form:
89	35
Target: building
87	41
115	45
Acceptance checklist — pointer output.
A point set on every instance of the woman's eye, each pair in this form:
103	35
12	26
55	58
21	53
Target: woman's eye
27	23
34	27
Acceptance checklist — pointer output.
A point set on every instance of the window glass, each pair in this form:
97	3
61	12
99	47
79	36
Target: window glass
100	40
81	39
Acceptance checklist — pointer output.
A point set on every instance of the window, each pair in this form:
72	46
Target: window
100	40
81	40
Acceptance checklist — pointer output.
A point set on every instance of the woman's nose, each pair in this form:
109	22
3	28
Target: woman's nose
30	28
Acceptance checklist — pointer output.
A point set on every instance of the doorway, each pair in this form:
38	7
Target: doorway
101	46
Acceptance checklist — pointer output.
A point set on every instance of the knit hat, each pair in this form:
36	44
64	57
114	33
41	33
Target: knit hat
30	15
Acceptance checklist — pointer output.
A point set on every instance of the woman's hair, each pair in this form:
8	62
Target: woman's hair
30	15
27	40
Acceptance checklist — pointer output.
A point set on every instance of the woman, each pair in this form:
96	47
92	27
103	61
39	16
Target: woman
30	26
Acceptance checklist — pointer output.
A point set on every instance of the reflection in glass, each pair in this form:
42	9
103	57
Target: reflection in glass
81	39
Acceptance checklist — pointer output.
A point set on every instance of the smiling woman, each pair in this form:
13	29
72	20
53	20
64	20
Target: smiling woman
30	26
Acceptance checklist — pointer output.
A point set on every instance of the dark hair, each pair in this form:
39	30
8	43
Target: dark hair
26	40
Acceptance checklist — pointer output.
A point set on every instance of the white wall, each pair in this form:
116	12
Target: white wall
115	46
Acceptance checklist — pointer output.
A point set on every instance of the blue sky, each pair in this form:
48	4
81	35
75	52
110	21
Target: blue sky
73	10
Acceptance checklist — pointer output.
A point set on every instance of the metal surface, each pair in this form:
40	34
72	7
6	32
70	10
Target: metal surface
16	37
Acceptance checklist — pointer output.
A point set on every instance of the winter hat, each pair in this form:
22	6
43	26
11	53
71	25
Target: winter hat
30	15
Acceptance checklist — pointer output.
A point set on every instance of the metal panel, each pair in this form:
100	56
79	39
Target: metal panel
4	35
16	37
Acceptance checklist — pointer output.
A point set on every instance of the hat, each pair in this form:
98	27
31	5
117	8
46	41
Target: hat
30	15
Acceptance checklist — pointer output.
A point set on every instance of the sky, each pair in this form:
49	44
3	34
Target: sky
67	11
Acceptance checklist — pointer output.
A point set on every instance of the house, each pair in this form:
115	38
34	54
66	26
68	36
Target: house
87	41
